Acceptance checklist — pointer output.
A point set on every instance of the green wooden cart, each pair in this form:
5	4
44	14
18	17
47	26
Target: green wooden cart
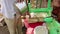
52	24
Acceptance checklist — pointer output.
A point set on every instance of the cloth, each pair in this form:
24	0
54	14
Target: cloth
21	5
10	24
8	13
8	8
30	26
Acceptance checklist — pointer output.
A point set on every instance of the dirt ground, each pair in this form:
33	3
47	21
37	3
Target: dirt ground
4	30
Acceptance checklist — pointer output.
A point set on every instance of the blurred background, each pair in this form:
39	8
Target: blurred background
55	14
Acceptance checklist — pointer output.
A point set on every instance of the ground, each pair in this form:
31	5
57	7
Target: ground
4	30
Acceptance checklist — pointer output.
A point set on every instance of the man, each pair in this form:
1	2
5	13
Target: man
8	12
